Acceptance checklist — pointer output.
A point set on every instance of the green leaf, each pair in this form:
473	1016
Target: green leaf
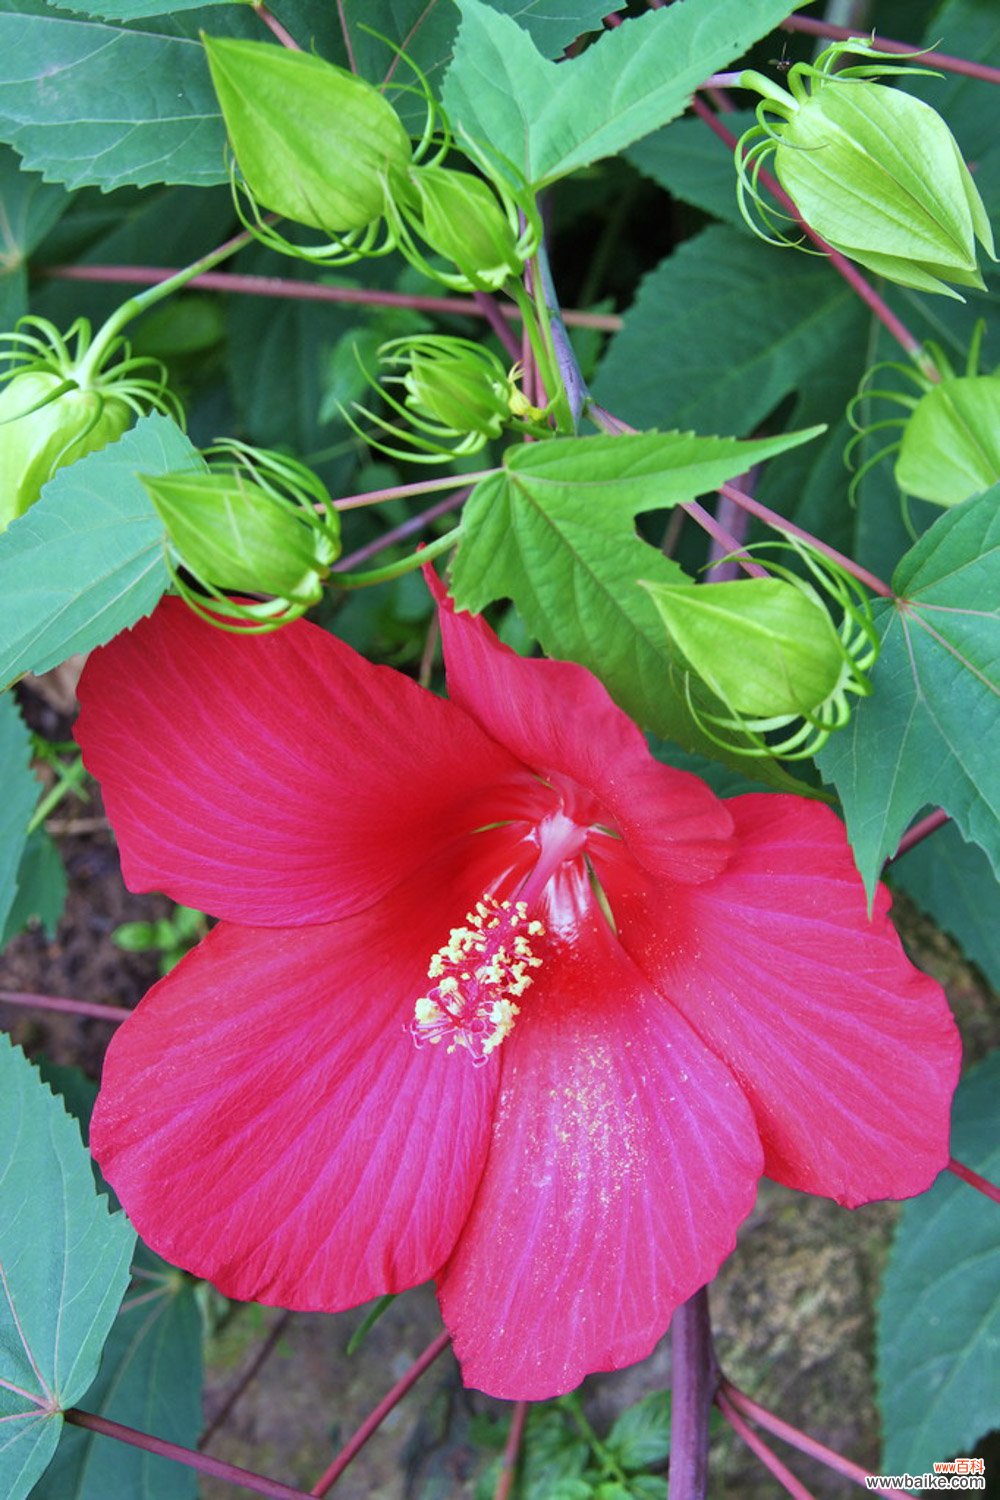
641	1435
721	333
693	165
87	559
939	1313
134	10
928	732
554	531
85	103
41	883
954	883
552	120
20	793
65	1262
28	210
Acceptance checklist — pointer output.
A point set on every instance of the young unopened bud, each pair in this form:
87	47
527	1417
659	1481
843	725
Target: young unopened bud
457	383
248	527
314	143
461	218
764	646
873	170
41	430
769	652
950	449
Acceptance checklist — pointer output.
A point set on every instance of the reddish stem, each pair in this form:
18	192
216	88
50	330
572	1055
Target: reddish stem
767	1456
864	289
372	1422
403	491
724	539
352	62
113	1013
722	566
259	1483
312	291
801	1440
772	518
494	315
266	1349
981	1184
920	831
883	44
274	25
401	533
511	1452
693	1382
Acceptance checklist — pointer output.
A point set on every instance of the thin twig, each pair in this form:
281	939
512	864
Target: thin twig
231	1473
749	1408
266	1349
919	832
981	1184
405	491
767	1456
402	532
375	1418
274	25
113	1013
313	291
779	523
883	44
511	1452
345	31
494	314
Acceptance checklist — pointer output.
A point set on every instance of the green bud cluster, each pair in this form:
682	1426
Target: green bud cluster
768	651
251	522
873	170
60	403
321	146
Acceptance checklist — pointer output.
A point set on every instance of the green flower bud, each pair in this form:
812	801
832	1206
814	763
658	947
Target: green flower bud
456	383
249	525
314	143
765	646
872	169
42	430
950	449
461	218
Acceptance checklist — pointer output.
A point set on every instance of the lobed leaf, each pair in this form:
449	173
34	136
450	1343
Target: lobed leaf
954	883
927	734
65	1265
20	793
87	560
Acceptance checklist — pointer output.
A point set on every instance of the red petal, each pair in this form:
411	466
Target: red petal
623	1158
847	1053
268	1122
556	717
276	779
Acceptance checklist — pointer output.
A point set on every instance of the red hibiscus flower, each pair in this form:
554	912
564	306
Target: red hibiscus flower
496	998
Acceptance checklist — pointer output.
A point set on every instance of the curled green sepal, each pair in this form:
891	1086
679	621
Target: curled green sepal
457	395
947	438
66	395
873	170
770	652
250	523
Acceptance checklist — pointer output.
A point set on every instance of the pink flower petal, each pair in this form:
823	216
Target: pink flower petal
268	1121
623	1158
556	717
847	1053
278	779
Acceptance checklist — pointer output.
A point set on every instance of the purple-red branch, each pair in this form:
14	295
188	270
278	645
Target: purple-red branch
694	1380
312	291
883	44
858	283
401	533
981	1184
231	1473
511	1452
113	1013
275	27
747	1407
375	1419
772	518
767	1456
920	831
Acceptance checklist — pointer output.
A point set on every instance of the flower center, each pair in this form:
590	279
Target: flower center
480	972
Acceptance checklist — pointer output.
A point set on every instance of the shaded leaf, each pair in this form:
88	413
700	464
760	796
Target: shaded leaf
88	103
939	1313
20	793
640	1437
28	209
41	884
65	1265
133	10
552	120
694	165
927	735
554	531
87	559
954	883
